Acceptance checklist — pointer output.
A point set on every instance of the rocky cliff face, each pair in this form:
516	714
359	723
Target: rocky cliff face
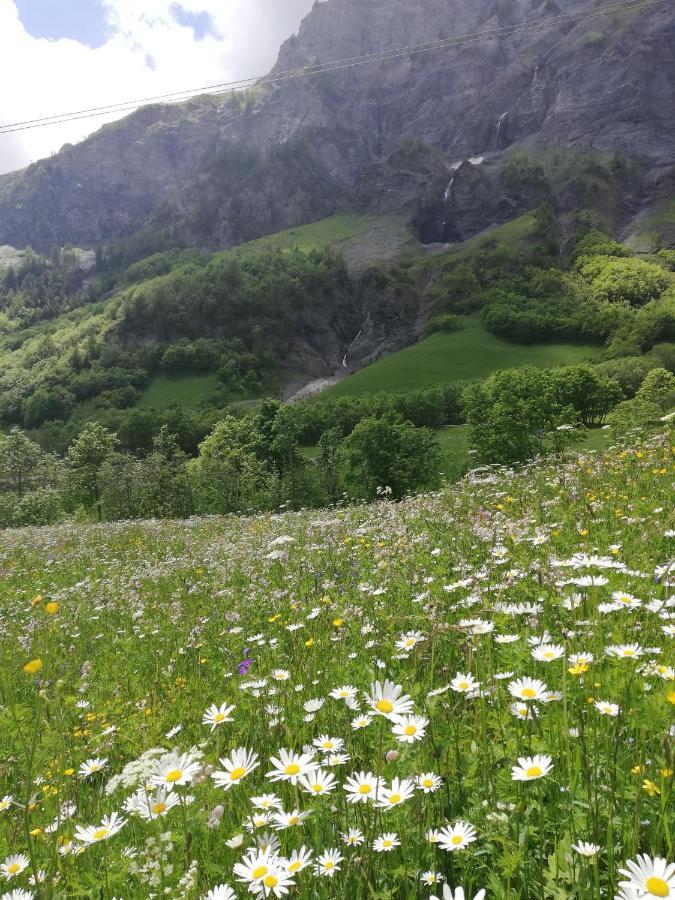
216	171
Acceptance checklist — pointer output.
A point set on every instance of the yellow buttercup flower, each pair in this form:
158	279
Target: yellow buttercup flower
33	667
51	608
651	788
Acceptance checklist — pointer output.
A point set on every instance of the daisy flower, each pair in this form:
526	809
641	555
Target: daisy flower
299	860
6	802
176	769
282	820
584	848
408	640
318	782
236	766
328	863
456	837
91	766
151	806
362	787
217	715
605	708
256	865
220	892
464	684
361	722
624	651
548	652
527	689
409	729
92	834
18	894
530	768
649	877
267	801
388	699
428	782
431	878
386	842
345	692
14	865
400	791
458	894
327	744
353	838
289	766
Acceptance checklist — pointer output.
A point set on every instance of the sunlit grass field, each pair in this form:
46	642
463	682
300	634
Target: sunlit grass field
470	689
444	358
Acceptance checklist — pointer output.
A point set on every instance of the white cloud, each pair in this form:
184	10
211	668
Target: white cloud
148	53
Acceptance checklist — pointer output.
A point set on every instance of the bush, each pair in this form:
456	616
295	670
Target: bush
446	323
40	507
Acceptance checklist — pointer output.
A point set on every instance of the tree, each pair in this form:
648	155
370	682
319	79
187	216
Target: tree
390	453
19	459
631	281
228	473
590	393
658	388
86	455
511	414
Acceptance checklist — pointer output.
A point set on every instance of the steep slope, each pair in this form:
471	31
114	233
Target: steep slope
218	171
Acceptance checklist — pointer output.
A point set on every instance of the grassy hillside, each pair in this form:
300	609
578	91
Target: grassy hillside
233	641
471	352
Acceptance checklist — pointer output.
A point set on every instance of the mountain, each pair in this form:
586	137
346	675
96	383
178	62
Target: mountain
393	135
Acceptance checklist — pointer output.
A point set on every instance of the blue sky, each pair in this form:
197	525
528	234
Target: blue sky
86	21
83	20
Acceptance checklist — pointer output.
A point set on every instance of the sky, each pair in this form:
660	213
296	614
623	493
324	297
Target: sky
63	55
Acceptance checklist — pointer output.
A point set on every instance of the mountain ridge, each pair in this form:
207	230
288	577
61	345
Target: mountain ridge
217	171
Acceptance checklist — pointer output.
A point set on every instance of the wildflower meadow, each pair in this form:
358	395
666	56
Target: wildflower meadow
467	694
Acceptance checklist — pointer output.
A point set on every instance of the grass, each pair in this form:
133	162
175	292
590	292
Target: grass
180	390
157	671
363	240
444	358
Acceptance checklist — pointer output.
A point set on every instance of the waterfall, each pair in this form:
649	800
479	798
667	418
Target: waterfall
447	198
476	160
535	77
344	358
500	125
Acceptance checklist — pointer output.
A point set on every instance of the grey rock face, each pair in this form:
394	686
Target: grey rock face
217	171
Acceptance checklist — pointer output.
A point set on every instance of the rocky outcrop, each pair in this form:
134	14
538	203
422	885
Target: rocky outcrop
217	171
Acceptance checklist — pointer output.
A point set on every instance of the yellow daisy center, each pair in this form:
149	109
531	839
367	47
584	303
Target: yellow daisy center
631	653
174	775
410	729
657	886
219	717
386	843
292	769
294	820
548	654
365	789
457	840
463	685
328	864
384	706
528	693
159	808
294	866
428	782
101	833
271	881
237	773
317	788
13	868
259	872
533	772
395	798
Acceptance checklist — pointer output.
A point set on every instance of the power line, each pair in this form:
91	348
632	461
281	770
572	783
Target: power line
331	66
